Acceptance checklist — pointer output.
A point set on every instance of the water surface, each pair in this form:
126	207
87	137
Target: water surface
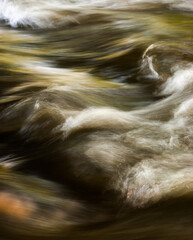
96	119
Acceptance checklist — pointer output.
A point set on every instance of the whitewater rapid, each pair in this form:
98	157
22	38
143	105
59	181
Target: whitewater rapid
55	13
96	119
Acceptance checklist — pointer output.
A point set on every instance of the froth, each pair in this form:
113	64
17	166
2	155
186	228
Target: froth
51	14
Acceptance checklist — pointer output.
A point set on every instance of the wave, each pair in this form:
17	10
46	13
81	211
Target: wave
96	121
54	13
154	155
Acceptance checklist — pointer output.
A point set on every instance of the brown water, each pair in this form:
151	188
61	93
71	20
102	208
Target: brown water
96	120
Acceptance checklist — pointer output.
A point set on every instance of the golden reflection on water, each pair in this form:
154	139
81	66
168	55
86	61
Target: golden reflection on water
93	144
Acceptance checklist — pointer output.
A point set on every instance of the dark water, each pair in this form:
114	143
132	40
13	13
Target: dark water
96	120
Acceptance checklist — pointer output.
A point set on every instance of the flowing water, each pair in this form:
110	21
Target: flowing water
96	119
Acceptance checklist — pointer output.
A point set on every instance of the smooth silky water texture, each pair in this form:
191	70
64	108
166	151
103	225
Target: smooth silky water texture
96	119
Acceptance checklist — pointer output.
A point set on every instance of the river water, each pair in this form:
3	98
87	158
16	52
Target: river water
96	119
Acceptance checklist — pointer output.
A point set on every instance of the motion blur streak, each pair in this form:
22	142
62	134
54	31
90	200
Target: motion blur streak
96	119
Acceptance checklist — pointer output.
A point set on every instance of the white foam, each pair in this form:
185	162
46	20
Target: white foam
181	79
153	179
49	14
96	118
